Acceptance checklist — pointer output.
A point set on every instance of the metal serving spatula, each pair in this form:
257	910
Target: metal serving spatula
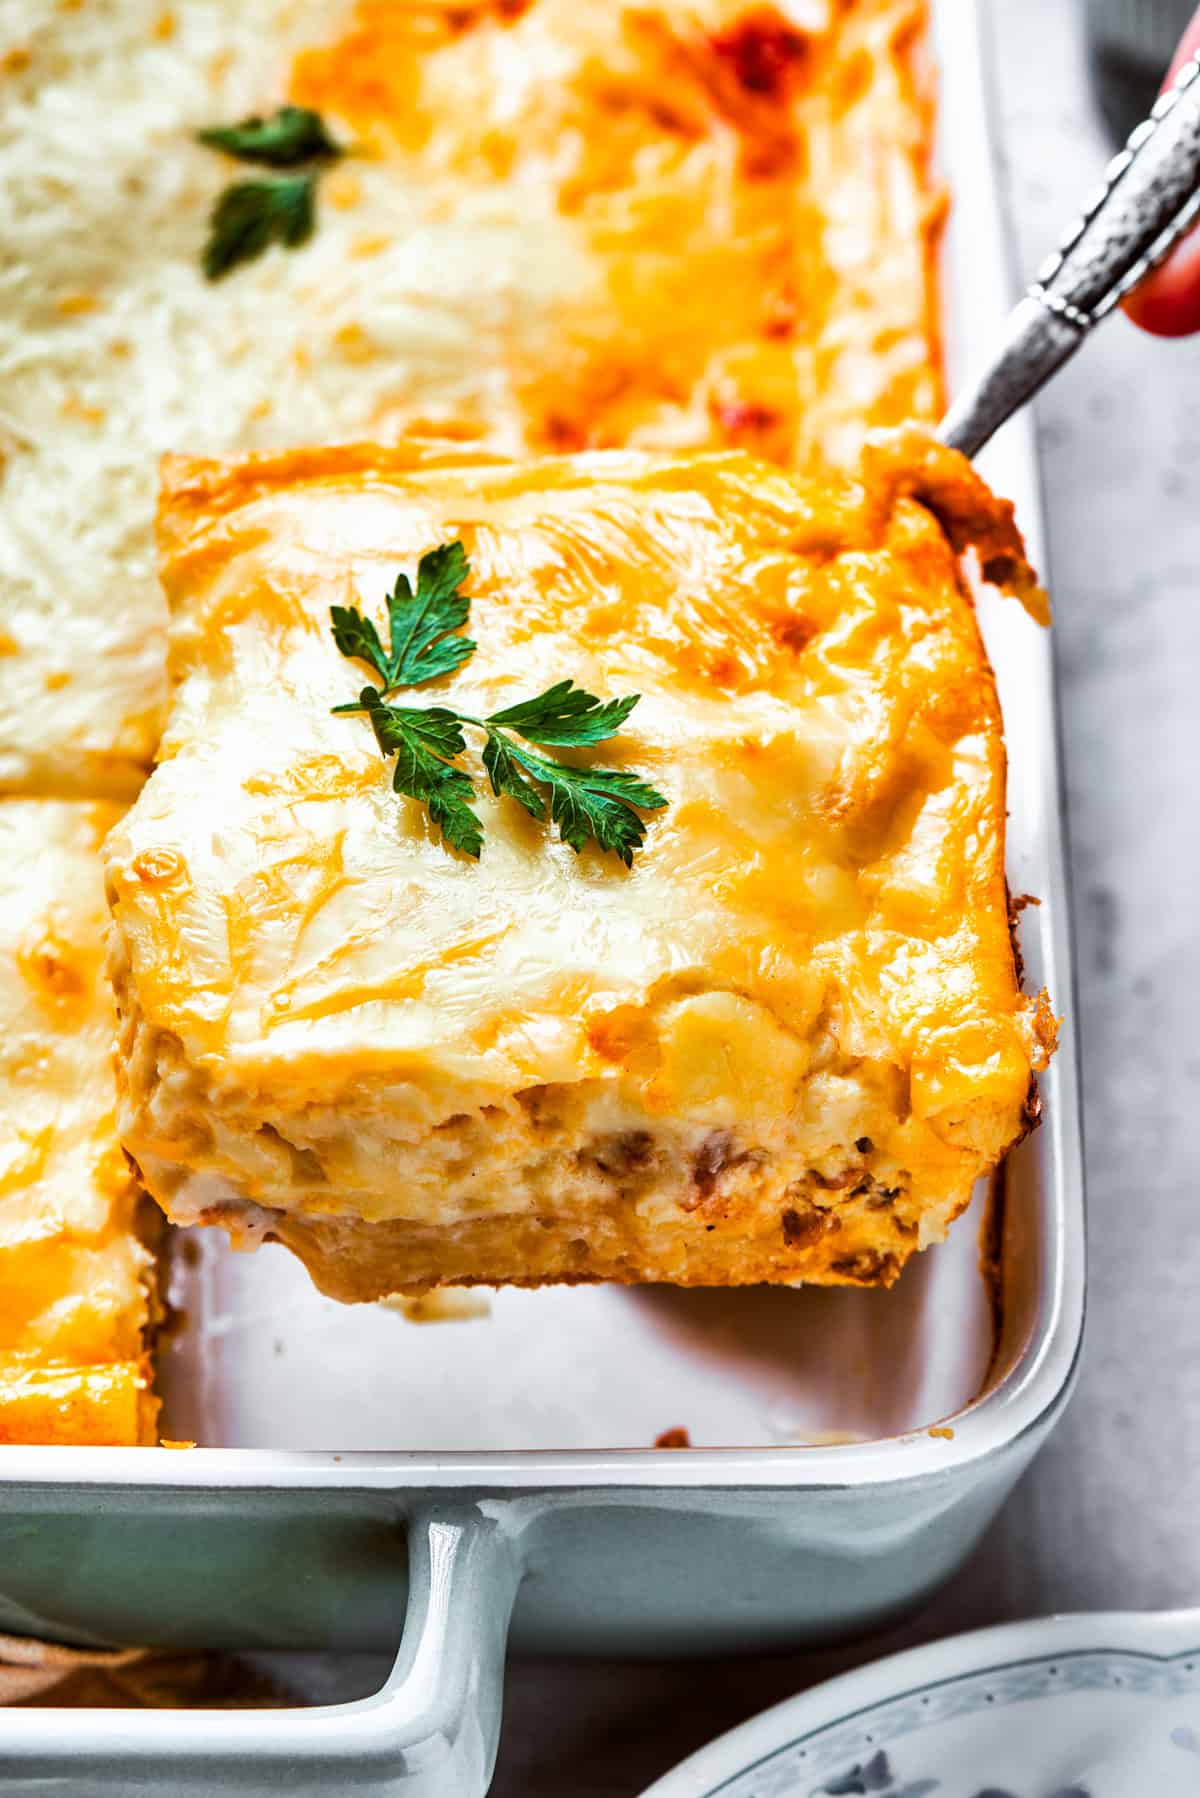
1149	198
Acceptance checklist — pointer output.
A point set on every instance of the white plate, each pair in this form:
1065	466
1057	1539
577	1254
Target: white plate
1104	1706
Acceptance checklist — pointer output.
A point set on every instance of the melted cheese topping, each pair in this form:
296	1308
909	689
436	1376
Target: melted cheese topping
812	946
570	224
73	1304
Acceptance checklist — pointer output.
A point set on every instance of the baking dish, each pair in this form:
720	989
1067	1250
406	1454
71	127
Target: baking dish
593	1547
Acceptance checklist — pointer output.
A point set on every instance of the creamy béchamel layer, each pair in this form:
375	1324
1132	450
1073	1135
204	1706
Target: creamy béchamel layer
783	1046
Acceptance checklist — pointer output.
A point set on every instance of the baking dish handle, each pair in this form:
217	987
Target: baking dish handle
430	1733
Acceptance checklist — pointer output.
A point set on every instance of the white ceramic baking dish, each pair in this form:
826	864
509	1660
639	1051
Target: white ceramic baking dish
383	1482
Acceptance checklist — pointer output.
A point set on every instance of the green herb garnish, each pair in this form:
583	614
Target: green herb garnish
249	216
418	623
252	215
289	137
598	805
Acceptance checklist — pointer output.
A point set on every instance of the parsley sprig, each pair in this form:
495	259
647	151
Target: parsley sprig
249	216
587	804
291	135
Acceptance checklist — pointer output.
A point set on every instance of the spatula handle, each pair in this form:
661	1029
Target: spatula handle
1149	198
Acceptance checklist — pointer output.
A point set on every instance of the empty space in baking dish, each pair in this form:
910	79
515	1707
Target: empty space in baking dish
264	1361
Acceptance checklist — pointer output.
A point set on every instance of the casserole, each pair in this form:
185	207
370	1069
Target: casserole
74	1275
637	1549
782	1044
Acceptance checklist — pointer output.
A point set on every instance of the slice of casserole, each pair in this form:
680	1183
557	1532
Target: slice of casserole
782	1046
73	1270
565	224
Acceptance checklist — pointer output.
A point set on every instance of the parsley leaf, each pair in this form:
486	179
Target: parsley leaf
566	714
506	776
419	623
251	215
358	639
423	741
599	805
588	803
430	730
290	136
452	814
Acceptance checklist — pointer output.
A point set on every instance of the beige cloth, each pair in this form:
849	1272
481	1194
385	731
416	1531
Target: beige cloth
33	1672
30	1669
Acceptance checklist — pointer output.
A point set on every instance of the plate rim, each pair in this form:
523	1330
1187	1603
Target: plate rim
1159	1635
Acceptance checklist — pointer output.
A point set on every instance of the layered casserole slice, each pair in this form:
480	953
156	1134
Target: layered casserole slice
73	1269
558	224
780	1045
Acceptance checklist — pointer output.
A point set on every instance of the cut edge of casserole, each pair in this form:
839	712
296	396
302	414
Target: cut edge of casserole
77	1290
782	1048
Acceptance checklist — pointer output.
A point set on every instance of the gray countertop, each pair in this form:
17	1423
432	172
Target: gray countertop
1107	1517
